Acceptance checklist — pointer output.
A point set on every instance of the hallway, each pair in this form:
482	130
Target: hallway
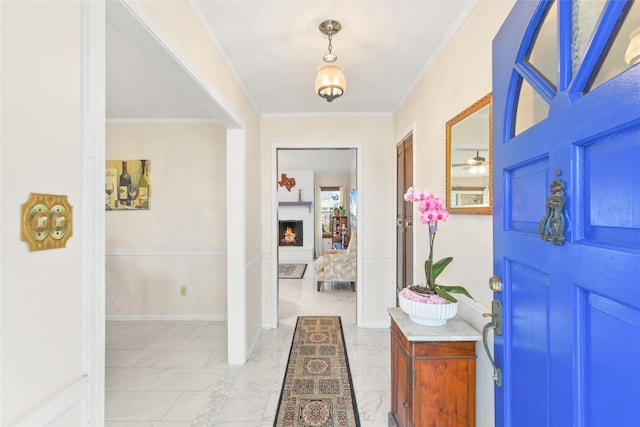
175	374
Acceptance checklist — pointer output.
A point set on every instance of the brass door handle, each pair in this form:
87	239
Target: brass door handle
495	284
496	325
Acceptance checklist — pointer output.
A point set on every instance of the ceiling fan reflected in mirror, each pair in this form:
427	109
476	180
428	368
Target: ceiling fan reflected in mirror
475	165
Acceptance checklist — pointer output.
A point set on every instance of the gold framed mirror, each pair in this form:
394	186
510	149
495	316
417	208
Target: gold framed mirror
469	163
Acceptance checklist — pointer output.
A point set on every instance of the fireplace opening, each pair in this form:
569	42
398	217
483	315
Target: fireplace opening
290	233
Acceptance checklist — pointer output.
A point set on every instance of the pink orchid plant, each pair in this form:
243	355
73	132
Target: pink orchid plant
432	210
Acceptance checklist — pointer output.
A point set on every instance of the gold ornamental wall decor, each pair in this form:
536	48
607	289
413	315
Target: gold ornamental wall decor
46	221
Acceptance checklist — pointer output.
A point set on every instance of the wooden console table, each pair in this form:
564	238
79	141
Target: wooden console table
433	373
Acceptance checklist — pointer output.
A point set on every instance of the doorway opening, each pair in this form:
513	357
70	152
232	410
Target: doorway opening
308	171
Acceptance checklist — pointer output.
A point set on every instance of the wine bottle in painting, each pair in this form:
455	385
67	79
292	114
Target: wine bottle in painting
111	184
143	186
123	186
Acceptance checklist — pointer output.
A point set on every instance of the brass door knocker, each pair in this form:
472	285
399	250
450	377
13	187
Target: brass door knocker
554	216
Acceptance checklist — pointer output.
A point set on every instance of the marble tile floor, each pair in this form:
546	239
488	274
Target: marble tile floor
175	374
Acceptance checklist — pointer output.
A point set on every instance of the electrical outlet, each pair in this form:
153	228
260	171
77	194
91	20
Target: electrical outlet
183	291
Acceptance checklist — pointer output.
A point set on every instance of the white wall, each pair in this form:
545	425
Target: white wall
460	76
373	137
188	37
181	239
46	147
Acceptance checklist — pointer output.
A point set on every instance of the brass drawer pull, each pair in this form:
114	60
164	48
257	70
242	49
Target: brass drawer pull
405	404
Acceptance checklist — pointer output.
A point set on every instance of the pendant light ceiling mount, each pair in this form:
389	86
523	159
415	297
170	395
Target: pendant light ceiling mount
329	28
330	81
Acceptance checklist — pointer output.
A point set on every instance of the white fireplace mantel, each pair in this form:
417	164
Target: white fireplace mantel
294	204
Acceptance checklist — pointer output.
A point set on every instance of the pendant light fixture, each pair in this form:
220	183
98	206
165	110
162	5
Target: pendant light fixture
330	82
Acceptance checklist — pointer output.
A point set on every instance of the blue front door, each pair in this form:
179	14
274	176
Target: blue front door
566	109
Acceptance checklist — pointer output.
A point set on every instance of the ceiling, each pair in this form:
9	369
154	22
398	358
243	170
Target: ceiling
274	48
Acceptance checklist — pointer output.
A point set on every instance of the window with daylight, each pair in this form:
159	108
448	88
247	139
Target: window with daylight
330	199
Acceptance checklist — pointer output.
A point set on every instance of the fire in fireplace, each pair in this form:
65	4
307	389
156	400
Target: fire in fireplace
290	233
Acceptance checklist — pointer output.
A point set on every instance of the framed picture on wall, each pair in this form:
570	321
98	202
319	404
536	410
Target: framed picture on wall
127	185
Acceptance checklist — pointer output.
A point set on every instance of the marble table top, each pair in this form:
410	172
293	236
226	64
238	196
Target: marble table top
456	329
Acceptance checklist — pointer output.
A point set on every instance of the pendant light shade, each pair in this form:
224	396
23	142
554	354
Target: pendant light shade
330	81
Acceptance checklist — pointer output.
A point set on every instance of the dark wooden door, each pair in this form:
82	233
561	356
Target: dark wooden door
404	216
567	118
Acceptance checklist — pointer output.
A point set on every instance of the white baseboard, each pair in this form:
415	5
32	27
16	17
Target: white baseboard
48	412
169	317
254	342
376	325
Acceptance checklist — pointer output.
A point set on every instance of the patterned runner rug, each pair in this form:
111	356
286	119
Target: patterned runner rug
291	271
317	390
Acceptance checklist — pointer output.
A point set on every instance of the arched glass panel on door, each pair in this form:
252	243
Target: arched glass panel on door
536	73
624	48
584	19
530	109
579	29
543	55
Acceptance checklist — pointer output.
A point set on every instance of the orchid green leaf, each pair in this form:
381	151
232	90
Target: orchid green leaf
454	289
444	294
438	267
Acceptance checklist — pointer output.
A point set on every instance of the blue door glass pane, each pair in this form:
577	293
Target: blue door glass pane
531	108
624	51
585	16
544	51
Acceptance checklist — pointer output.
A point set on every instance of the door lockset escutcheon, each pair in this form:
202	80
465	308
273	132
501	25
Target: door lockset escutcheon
495	283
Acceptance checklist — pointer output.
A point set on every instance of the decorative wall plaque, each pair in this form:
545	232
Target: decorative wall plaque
46	221
287	183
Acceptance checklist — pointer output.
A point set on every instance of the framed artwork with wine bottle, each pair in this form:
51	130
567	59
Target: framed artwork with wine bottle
127	185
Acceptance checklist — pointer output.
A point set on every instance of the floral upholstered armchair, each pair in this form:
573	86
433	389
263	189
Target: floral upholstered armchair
338	266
